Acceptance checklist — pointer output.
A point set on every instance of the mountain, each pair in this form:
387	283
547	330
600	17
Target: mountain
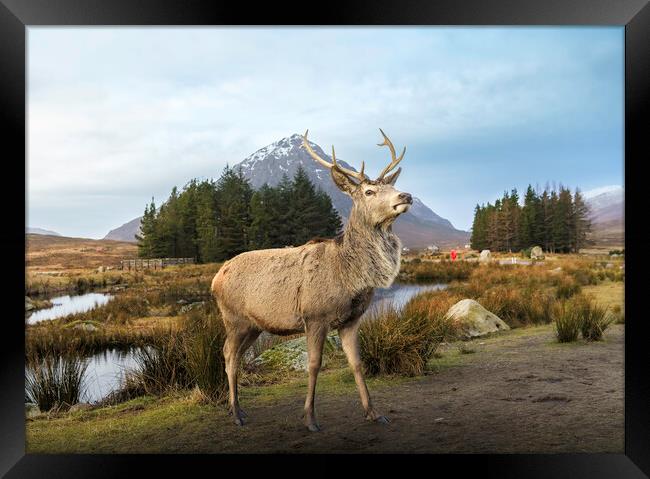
41	231
126	232
418	228
607	208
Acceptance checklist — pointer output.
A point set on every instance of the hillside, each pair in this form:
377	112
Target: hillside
126	232
607	208
60	252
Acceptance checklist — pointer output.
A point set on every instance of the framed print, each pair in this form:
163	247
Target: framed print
394	230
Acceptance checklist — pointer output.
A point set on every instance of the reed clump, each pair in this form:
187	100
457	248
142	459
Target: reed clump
402	342
55	381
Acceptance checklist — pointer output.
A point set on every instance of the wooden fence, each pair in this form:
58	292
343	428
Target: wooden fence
156	263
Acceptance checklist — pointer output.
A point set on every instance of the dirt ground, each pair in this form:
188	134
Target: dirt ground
522	393
519	392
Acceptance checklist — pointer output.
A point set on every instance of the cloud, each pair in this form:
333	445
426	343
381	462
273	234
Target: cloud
116	115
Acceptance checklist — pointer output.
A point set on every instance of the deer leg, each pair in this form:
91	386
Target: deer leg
315	340
350	343
238	339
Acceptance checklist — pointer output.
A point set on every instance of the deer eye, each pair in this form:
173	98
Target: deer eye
369	192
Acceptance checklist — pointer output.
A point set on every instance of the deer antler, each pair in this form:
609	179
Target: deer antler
394	160
359	175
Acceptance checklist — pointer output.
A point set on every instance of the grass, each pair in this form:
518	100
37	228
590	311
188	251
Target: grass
187	358
55	381
567	320
441	272
402	342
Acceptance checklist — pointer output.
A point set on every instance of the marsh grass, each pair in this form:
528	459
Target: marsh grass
567	320
402	342
441	272
595	319
189	358
55	381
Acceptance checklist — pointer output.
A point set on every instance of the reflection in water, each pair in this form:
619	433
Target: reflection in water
399	294
106	371
64	305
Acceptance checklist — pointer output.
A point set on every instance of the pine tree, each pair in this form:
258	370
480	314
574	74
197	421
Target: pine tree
581	222
147	237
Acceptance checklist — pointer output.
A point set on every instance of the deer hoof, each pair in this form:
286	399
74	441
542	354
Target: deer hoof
382	420
313	427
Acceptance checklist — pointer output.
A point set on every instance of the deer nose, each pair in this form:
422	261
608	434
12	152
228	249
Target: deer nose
406	197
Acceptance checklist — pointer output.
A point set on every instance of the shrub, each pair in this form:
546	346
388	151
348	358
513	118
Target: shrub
595	320
567	288
567	321
394	342
55	381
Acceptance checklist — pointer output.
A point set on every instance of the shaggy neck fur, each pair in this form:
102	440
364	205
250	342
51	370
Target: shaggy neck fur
369	255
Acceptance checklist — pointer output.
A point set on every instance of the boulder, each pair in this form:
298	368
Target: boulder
536	253
485	256
474	320
292	354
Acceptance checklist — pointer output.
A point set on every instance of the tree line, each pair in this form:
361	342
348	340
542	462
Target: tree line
554	219
215	220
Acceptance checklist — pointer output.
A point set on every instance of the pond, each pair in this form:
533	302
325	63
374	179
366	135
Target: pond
399	294
64	305
106	371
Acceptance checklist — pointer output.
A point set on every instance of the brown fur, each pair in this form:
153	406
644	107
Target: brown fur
321	285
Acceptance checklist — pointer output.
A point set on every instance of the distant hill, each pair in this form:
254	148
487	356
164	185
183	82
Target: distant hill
51	253
607	208
126	232
41	231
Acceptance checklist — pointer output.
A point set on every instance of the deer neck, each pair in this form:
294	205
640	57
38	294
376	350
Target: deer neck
369	255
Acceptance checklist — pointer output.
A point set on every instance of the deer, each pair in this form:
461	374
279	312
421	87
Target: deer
317	287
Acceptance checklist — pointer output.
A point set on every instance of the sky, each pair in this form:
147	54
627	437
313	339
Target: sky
118	115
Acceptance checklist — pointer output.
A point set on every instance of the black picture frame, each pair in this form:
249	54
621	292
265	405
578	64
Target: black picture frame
16	15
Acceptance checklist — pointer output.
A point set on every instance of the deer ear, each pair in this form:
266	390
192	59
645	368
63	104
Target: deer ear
392	178
342	181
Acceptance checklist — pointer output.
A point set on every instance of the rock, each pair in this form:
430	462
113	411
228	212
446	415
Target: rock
188	307
536	253
292	354
85	327
609	265
182	301
557	270
101	269
474	319
80	407
485	256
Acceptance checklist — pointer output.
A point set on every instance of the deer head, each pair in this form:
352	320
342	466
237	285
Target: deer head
376	202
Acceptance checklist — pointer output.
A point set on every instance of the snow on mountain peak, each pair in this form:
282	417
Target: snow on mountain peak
610	189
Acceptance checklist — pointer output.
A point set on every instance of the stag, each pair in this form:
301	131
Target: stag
319	286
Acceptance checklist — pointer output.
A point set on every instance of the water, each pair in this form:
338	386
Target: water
105	373
399	294
64	305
